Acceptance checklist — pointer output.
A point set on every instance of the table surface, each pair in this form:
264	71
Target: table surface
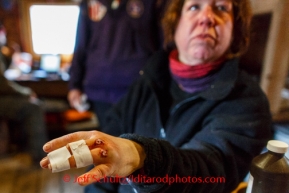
49	87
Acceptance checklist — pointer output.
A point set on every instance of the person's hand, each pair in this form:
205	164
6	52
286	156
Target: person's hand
112	156
33	98
74	97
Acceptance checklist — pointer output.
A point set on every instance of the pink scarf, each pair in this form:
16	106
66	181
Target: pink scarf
193	78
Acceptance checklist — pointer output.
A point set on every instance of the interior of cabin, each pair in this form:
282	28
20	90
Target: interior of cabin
45	64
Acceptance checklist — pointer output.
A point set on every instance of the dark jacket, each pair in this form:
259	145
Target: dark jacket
213	133
110	52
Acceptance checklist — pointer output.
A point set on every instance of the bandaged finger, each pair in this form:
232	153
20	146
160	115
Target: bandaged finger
59	158
81	153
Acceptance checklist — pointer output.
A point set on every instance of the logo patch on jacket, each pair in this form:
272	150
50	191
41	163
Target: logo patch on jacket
115	4
135	8
96	10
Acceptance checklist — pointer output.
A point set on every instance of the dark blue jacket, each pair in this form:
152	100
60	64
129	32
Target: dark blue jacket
110	53
213	133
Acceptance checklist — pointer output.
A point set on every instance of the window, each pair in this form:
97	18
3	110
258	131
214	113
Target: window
49	28
53	28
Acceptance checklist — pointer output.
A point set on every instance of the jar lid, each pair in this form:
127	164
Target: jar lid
277	146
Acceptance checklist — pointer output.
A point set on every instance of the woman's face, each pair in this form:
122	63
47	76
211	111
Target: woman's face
204	32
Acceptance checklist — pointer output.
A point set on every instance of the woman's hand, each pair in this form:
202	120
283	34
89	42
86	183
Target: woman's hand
112	156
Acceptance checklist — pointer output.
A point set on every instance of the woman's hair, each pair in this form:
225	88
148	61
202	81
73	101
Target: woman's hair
242	14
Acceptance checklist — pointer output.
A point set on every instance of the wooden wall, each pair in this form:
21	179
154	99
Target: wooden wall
11	18
253	59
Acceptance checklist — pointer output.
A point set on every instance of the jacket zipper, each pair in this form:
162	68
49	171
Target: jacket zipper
162	130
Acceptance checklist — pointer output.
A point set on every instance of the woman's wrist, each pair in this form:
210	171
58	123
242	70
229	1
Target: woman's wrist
141	153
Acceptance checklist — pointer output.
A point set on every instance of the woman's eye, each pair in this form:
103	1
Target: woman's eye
194	7
222	8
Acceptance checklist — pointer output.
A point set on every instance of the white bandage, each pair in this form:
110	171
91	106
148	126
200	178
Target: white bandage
81	153
59	159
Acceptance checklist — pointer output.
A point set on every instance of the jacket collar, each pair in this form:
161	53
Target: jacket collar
224	82
157	72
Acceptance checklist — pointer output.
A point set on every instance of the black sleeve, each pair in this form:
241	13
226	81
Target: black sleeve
217	158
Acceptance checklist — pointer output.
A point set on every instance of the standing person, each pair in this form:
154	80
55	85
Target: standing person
193	121
114	40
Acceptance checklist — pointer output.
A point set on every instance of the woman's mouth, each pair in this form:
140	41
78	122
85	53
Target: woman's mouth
205	36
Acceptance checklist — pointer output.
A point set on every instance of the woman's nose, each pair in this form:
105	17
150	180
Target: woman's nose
207	16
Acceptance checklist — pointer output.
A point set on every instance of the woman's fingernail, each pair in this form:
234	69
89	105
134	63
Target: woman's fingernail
44	160
46	147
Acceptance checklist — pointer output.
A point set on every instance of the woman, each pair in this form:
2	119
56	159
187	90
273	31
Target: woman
193	114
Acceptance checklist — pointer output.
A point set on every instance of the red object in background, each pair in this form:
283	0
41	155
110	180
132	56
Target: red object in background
73	115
